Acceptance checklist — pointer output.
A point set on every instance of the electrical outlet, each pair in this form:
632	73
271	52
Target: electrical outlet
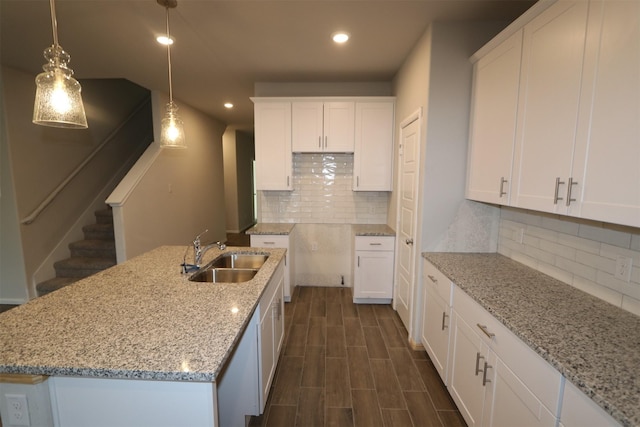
314	246
17	410
623	268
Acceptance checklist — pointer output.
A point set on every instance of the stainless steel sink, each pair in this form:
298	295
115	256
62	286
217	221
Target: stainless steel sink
224	275
239	261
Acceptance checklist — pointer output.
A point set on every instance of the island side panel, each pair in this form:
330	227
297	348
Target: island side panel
102	402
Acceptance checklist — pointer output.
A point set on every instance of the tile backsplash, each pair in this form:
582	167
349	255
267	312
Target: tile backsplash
322	193
580	253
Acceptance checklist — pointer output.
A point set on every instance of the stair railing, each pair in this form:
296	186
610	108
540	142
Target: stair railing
51	197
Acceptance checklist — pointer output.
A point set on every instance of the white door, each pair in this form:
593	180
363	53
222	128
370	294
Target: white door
407	218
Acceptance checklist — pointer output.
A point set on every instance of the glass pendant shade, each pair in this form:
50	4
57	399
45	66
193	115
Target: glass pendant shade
172	129
58	100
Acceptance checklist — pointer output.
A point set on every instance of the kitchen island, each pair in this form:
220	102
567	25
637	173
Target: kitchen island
142	321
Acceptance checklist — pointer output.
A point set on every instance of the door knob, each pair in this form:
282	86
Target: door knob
409	242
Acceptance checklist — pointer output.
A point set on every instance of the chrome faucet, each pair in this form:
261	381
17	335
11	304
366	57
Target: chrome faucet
199	251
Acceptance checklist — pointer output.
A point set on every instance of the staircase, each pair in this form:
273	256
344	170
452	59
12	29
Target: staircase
95	253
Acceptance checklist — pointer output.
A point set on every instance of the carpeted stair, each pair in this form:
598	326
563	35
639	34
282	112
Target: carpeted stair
95	253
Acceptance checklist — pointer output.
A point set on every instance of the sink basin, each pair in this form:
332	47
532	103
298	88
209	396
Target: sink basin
224	275
253	261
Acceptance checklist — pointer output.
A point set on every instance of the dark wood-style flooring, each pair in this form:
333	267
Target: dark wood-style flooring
346	364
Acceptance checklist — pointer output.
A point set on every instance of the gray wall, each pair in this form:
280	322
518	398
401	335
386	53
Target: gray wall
239	153
41	158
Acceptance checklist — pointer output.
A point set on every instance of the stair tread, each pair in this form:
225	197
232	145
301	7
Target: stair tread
85	263
54	284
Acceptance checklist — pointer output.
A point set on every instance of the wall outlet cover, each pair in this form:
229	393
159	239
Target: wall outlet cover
623	268
17	410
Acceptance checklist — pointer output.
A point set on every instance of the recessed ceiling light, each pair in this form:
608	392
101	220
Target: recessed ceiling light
340	37
164	40
228	105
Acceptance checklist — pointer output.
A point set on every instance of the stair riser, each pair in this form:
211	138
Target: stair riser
98	234
76	272
88	253
104	219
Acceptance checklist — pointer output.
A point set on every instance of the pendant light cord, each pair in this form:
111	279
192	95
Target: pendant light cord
168	57
54	23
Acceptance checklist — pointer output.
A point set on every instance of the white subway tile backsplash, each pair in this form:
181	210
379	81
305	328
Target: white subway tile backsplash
577	252
322	193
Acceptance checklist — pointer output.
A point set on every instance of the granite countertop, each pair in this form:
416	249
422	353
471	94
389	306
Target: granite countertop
138	320
271	228
594	344
373	230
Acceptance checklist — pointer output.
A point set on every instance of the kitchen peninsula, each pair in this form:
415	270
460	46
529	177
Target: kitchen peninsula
131	343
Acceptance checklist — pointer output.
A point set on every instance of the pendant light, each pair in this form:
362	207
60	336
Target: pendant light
172	128
58	101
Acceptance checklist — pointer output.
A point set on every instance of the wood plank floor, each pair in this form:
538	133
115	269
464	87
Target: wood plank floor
346	364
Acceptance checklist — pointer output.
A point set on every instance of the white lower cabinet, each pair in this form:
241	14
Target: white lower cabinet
373	270
283	242
271	332
436	318
496	379
243	386
580	411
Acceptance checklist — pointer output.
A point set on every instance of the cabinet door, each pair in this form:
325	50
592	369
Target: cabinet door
306	127
607	160
465	381
552	56
339	127
493	122
278	241
511	403
273	145
578	410
373	154
278	320
436	325
267	352
374	274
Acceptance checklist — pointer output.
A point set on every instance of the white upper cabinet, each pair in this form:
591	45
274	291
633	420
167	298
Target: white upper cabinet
323	126
273	145
607	156
493	122
373	155
553	53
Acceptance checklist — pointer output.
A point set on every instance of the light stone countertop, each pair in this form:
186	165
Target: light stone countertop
138	320
373	230
271	228
594	344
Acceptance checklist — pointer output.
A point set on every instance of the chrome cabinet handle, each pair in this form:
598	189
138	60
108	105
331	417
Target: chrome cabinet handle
485	380
478	357
287	181
555	196
358	260
444	317
502	182
569	187
409	242
357	181
319	141
432	278
484	329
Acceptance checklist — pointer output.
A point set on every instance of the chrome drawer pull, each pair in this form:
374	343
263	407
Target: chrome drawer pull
433	279
485	380
444	317
569	187
375	244
478	357
484	329
502	182
555	196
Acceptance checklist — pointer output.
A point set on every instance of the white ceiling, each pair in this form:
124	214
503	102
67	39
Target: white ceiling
223	47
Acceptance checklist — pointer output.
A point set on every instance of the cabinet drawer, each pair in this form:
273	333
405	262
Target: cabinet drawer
436	281
539	376
375	243
270	241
